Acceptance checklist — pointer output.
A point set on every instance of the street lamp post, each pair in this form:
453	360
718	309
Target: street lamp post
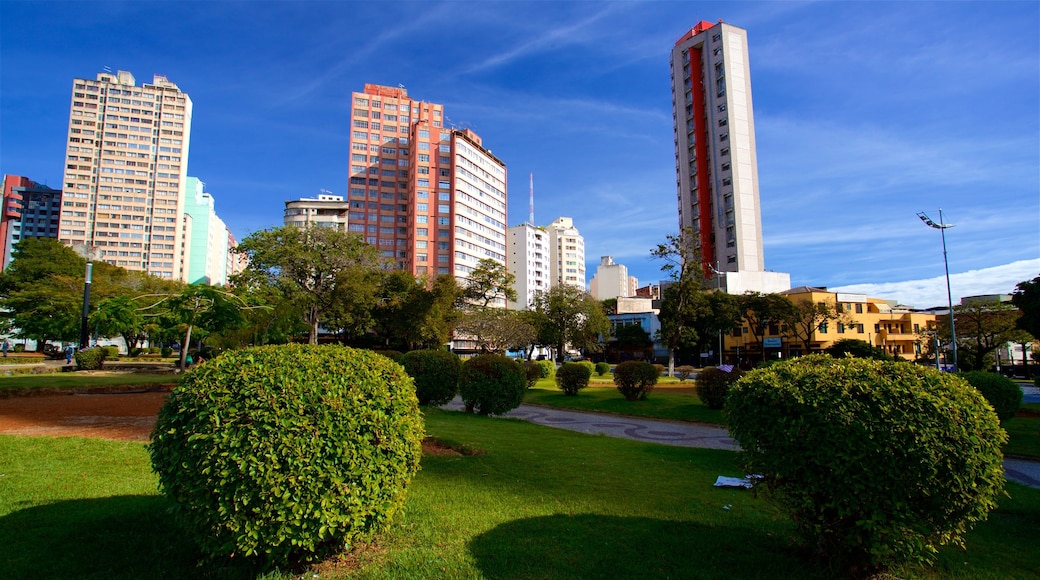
86	308
942	227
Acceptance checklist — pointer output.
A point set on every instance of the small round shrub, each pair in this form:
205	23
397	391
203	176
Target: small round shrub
713	385
19	347
684	372
111	352
635	379
166	352
659	368
1003	394
602	368
90	359
288	453
548	368
533	373
394	355
573	377
589	365
154	350
436	375
878	462
492	384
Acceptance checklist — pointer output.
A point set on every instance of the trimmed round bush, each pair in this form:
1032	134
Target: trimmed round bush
90	359
1003	394
684	372
573	377
436	375
713	385
602	368
635	379
877	462
533	373
166	352
288	453
548	368
492	384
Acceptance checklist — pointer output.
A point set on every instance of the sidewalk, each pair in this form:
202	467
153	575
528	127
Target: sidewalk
1024	471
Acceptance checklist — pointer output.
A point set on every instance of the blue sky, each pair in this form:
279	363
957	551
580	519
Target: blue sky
865	113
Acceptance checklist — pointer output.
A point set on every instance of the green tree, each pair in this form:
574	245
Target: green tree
857	349
569	315
683	302
34	260
806	319
411	313
49	309
981	328
761	311
496	330
1027	299
489	284
119	315
206	307
315	267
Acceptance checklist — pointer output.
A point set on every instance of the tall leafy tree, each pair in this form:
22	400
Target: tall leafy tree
489	284
572	316
807	318
683	302
981	328
412	312
313	268
1027	298
206	307
118	315
496	330
763	310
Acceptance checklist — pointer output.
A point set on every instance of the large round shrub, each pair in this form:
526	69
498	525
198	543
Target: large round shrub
288	452
713	385
90	359
436	375
573	377
878	462
635	379
492	384
1003	394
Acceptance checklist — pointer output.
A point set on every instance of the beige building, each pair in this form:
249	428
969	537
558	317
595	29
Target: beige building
326	210
612	280
125	168
898	330
567	253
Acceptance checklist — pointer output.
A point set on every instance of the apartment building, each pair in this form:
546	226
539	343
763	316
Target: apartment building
30	210
715	158
326	210
207	237
612	280
566	253
528	260
431	197
125	168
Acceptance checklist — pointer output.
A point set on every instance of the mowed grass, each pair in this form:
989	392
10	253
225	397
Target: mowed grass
535	503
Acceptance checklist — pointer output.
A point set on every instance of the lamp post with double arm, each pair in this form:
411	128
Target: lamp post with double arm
942	227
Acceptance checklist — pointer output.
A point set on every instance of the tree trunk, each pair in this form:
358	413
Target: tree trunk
671	362
184	346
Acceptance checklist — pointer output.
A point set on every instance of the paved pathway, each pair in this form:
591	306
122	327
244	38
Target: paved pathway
1022	471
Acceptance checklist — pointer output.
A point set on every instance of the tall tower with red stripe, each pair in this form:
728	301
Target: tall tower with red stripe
715	158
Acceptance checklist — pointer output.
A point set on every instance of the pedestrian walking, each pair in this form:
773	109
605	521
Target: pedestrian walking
6	346
69	351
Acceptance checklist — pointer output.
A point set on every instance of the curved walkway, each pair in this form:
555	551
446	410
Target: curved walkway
1024	471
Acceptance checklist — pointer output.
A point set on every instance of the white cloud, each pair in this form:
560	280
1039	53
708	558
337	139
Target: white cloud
932	291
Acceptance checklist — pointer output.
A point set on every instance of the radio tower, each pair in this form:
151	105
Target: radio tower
531	217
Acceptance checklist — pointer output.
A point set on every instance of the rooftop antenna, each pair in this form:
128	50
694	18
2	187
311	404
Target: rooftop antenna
531	216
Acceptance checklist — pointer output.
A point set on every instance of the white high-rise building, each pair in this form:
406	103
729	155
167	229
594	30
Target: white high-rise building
207	237
125	167
715	159
567	253
612	281
528	258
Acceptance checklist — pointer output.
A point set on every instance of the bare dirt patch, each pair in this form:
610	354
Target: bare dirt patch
119	416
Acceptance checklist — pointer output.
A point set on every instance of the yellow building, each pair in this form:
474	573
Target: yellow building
899	330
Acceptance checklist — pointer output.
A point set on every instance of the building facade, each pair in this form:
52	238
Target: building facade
207	242
125	168
566	253
715	158
326	210
432	198
528	260
30	210
612	281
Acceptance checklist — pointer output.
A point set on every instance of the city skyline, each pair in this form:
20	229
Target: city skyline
865	114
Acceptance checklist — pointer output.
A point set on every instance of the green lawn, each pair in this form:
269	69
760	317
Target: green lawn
538	503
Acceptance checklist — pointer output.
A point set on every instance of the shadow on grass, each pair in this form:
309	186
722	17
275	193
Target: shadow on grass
598	546
112	537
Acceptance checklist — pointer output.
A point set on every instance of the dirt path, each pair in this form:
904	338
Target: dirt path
122	416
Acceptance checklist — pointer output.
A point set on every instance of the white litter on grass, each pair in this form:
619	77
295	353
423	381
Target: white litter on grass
745	482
